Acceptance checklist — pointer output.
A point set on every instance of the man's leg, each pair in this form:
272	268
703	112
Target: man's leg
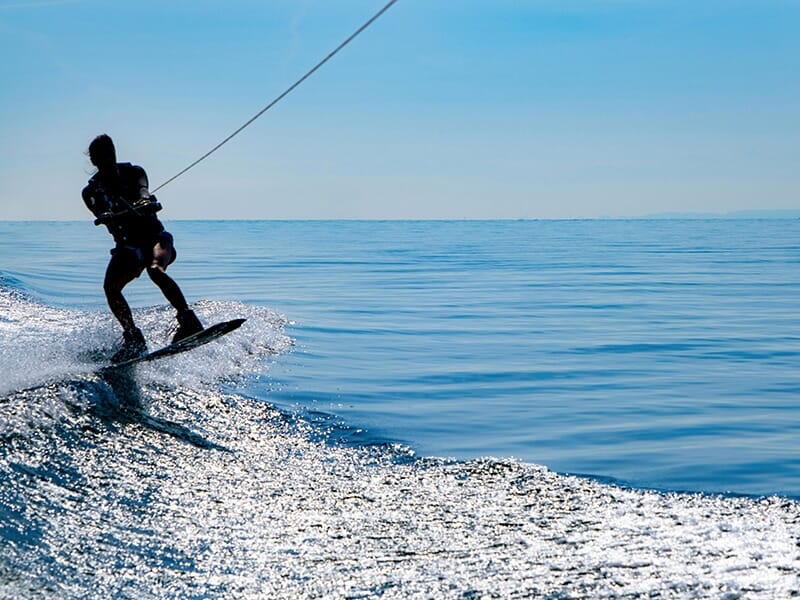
163	255
119	273
124	267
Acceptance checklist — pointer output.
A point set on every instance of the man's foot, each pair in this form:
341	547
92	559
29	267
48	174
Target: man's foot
133	346
188	324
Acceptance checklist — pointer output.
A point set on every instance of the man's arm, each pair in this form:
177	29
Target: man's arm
94	201
147	202
97	202
142	184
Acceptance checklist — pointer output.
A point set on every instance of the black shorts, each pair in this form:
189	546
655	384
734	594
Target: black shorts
137	257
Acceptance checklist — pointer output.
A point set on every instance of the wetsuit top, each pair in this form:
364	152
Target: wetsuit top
119	194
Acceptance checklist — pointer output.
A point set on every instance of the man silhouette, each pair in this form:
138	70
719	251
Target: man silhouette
118	196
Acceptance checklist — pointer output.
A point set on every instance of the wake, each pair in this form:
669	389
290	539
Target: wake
42	345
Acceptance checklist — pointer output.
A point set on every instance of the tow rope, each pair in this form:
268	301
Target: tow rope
281	96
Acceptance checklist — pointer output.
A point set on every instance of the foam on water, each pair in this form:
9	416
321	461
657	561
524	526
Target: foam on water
39	343
42	349
169	481
36	341
214	495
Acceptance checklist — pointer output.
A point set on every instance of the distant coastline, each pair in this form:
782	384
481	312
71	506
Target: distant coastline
738	214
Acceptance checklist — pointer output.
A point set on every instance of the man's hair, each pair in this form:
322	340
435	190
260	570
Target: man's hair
102	145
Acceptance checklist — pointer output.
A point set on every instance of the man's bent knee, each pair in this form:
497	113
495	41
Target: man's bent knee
156	272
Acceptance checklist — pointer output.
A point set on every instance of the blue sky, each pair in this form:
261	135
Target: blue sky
442	109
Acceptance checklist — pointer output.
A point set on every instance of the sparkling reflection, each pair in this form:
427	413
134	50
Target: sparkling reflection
104	504
159	483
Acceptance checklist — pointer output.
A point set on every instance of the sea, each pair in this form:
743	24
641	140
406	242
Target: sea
413	409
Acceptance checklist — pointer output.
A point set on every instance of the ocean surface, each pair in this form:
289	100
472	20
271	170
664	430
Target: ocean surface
433	409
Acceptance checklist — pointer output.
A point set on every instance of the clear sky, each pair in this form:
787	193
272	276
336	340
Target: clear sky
442	109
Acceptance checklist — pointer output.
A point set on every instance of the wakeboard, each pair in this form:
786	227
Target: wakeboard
188	343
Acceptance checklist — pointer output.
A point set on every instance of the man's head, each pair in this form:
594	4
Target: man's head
102	152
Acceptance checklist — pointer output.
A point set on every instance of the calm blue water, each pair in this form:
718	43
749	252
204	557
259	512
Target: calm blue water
659	354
